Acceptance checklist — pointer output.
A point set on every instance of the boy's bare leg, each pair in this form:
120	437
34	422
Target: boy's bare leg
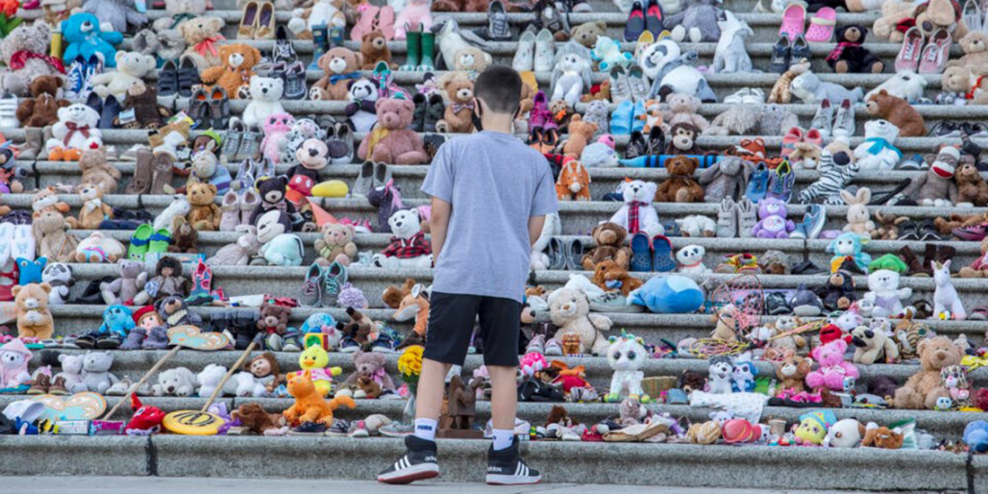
432	384
504	398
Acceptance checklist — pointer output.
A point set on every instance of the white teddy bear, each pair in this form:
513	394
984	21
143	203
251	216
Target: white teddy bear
878	151
626	356
76	129
408	240
884	293
697	226
209	379
691	260
638	196
175	382
131	68
322	13
265	93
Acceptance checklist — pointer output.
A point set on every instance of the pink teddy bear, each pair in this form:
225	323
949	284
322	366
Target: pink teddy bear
833	368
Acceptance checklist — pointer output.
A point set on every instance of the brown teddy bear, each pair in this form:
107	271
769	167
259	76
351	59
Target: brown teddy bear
587	33
458	117
185	238
975	46
525	103
609	276
49	228
273	319
680	186
93	210
143	100
336	244
580	134
978	268
971	186
925	386
899	112
31	308
202	37
368	365
792	374
234	71
340	65
41	109
97	171
561	113
609	238
393	295
882	437
253	418
935	14
374	49
392	141
204	214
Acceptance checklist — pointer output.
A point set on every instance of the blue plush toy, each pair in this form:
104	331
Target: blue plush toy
30	271
976	436
118	320
82	36
848	246
670	294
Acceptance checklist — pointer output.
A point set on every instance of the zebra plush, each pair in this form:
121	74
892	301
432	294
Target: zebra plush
837	169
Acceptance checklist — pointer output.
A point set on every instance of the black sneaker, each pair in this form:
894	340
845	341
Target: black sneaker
506	467
418	463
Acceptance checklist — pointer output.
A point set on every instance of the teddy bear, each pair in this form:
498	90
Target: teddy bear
962	81
936	187
175	312
374	49
205	214
83	37
24	52
53	242
971	186
580	135
340	66
409	247
132	67
34	319
129	283
179	381
897	111
925	386
638	196
873	345
682	108
265	94
185	238
608	275
75	131
313	14
792	373
933	15
885	295
894	13
680	186
142	100
882	437
271	320
336	244
367	365
393	141
850	56
93	210
234	70
772	220
726	178
272	192
96	376
609	240
805	155
201	36
878	151
458	118
41	109
587	33
833	369
118	13
569	310
471	59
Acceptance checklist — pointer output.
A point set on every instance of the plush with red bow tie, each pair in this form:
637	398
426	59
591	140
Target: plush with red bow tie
74	132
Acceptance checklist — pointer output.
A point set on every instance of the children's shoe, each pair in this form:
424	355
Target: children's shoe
524	58
781	55
140	242
793	21
747	218
505	467
553	349
77	77
911	51
536	345
620	86
419	463
340	428
334	278
308	429
800	50
844	121
248	203
544	51
349	345
383	344
637	116
822	26
109	342
635	24
159	242
662	261
727	219
935	52
358	429
230	211
758	184
823	120
621	118
789	141
641	253
781	182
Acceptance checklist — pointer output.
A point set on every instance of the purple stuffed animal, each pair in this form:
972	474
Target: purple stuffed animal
833	368
773	222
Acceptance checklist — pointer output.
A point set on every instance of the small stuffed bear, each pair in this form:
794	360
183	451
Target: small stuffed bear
609	276
131	68
971	186
41	110
792	373
185	238
680	186
395	142
265	94
975	46
204	214
340	65
75	131
374	48
83	37
850	56
898	111
272	192
839	292
587	33
458	118
34	320
143	100
93	210
202	37
368	365
234	71
609	238
580	134
125	288
409	247
336	244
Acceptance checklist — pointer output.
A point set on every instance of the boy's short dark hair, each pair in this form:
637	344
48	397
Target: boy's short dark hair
500	88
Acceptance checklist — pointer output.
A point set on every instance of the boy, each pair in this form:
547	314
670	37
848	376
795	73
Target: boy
490	194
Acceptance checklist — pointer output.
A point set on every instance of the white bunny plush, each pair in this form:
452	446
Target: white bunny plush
858	217
552	227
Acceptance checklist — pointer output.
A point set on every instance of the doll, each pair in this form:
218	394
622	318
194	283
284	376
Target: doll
261	377
167	281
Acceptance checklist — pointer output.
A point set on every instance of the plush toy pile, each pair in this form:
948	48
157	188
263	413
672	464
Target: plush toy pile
779	221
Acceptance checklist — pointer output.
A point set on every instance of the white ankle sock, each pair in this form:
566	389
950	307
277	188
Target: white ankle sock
503	438
426	429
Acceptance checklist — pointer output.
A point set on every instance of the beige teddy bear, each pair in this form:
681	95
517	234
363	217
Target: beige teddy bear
336	244
570	312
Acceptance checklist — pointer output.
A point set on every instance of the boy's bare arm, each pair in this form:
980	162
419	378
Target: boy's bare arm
535	224
438	223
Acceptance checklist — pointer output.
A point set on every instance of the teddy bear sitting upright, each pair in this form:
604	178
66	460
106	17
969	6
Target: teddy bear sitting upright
24	52
202	35
369	365
637	214
924	387
680	186
34	320
408	247
75	131
205	214
459	112
609	238
569	310
391	141
850	56
336	244
235	70
84	38
41	110
609	276
340	65
132	67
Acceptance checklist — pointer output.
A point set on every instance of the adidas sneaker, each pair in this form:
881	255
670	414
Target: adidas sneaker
418	463
505	467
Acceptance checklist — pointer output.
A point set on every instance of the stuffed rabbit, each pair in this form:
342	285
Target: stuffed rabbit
239	253
858	218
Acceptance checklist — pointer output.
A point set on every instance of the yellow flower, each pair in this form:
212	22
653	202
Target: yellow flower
410	362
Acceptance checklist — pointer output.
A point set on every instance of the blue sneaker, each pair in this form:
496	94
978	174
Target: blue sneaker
758	184
781	182
662	261
621	118
812	224
94	66
76	78
384	343
641	253
349	345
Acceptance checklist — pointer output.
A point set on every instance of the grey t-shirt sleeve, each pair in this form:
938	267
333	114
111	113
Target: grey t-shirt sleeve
439	180
545	201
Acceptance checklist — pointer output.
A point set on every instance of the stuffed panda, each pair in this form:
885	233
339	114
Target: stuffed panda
361	114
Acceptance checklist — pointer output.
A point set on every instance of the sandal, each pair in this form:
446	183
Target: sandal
159	241
793	21
974	233
822	26
139	242
662	261
641	253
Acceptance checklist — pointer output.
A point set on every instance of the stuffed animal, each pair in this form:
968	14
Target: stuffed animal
204	214
285	249
24	52
697	22
978	268
971	88
905	84
84	37
179	381
374	48
697	226
792	373
362	95
324	13
132	67
975	47
580	135
850	56
882	437
265	93
690	260
551	227
340	65
573	183
838	166
609	276
277	126
926	386
833	368
873	346
262	375
624	355
59	277
391	141
846	433
885	295
570	73
730	55
41	109
98	248
309	405
682	108
234	70
34	319
459	110
471	59
336	244
637	214
680	186
668	294
972	189
937	187
719	375
175	312
118	13
772	221
142	101
726	178
609	240
878	151
53	242
805	155
368	365
812	428
946	302
839	292
569	310
683	139
587	33
898	112
408	247
940	14
858	217
209	380
809	88
607	53
75	131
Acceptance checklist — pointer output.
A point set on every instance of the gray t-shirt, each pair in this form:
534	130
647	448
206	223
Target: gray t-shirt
494	183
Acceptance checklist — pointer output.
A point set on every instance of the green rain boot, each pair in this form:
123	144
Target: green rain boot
427	64
413	41
319	39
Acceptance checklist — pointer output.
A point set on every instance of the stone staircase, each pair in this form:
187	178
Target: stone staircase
655	464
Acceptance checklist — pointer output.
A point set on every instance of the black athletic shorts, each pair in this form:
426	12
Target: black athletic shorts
451	323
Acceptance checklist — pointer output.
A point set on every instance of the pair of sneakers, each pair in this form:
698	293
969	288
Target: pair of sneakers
812	224
292	74
504	467
242	142
766	183
542	346
736	219
535	52
628	84
834	122
80	74
385	343
322	285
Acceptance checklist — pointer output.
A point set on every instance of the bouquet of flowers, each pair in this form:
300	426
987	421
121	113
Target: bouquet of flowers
410	366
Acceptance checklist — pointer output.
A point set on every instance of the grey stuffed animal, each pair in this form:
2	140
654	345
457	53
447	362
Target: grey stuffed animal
119	13
726	178
597	114
239	253
809	88
130	283
698	22
96	374
742	120
166	45
731	55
